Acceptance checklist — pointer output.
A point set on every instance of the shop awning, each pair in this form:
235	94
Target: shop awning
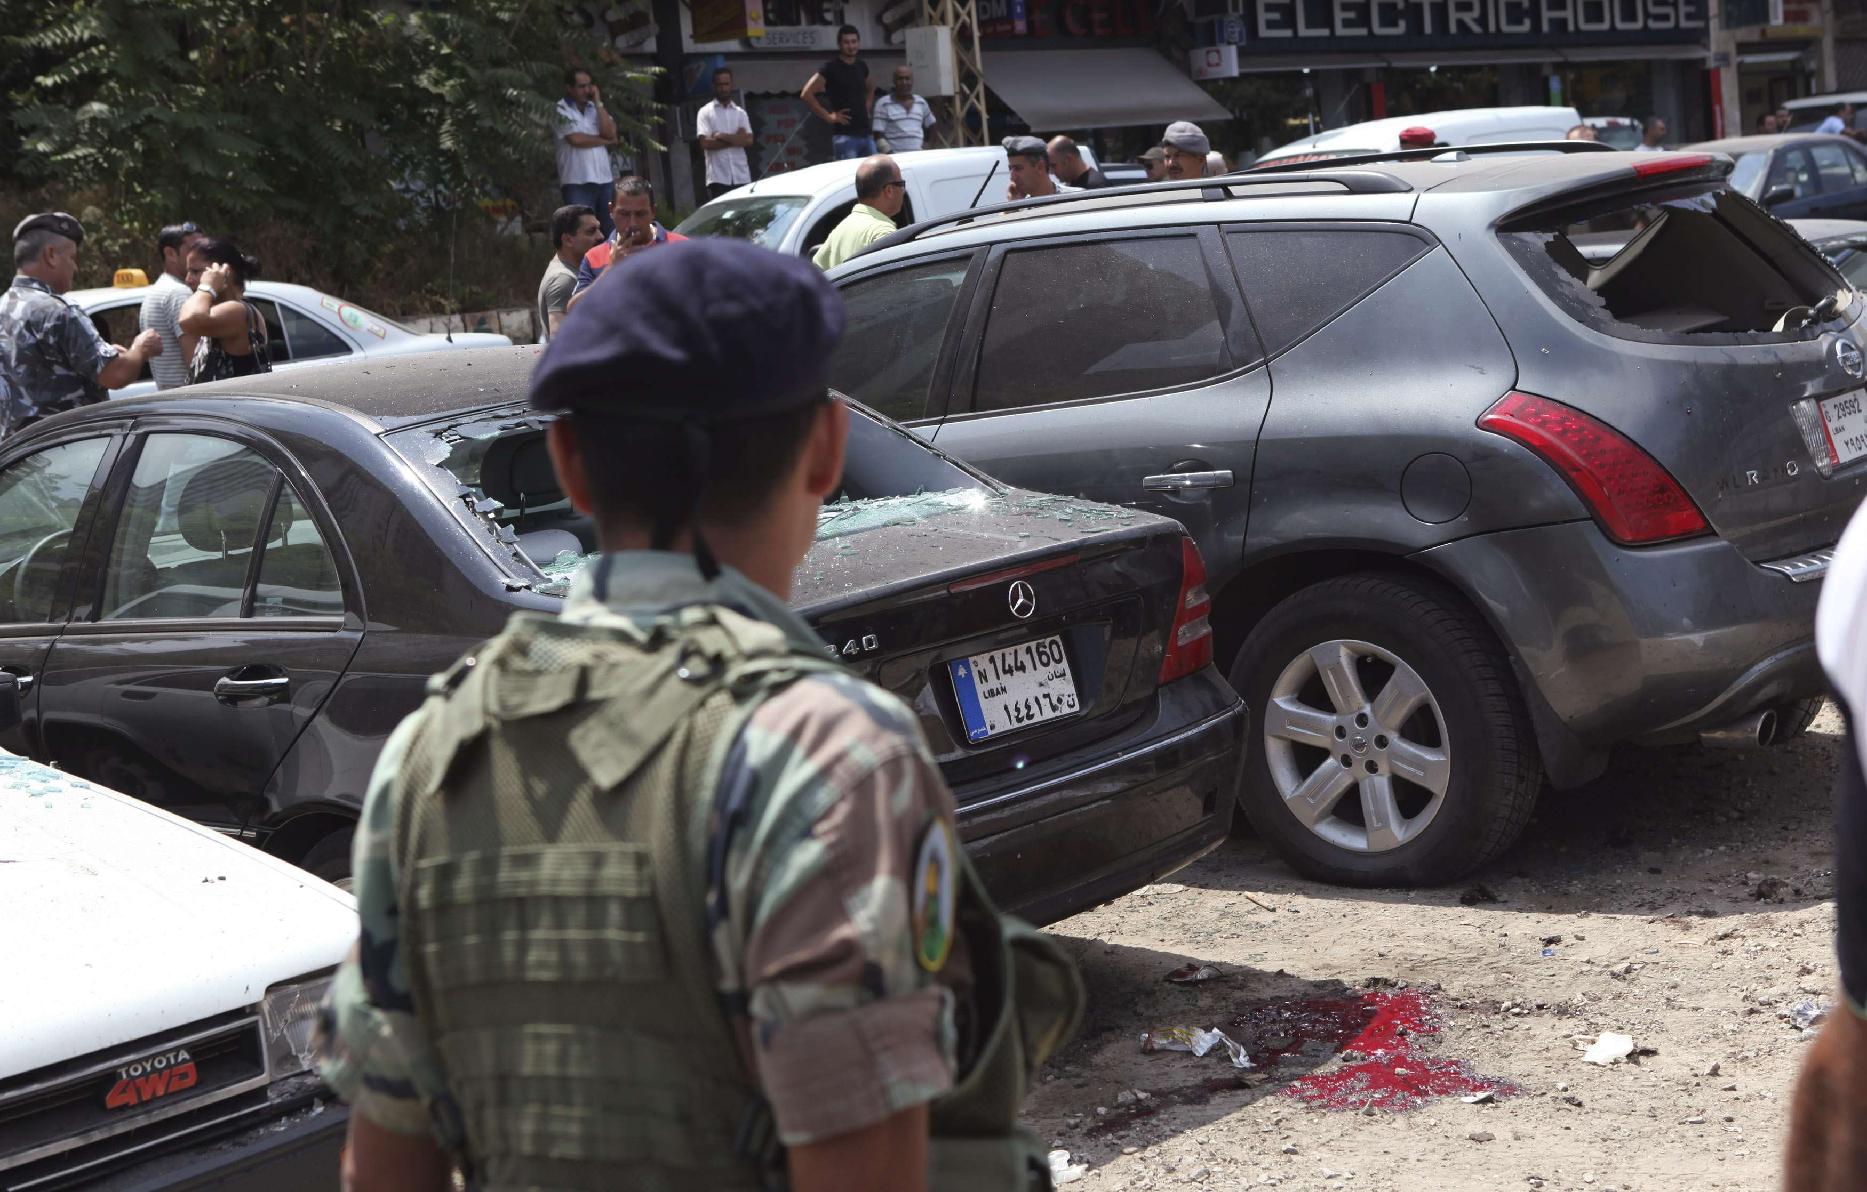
1058	90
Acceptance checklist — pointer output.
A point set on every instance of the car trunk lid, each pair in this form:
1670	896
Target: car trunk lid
901	588
1697	341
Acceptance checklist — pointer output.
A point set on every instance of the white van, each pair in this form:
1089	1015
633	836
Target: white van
1464	126
794	212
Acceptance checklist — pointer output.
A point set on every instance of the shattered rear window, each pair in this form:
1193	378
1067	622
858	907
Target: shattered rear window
493	471
1707	268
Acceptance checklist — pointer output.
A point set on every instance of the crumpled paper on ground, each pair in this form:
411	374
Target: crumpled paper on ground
1197	1040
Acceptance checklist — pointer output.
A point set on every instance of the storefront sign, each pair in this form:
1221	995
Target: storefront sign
724	20
1275	25
1215	62
1066	18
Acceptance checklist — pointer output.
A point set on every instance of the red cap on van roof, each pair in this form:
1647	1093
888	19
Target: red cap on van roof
1417	137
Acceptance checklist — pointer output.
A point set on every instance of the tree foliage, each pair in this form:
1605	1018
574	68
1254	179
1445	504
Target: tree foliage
348	124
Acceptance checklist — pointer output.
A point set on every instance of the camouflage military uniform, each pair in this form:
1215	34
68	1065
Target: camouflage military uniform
50	350
850	1012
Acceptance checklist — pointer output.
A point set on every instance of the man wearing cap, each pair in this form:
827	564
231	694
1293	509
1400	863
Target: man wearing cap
880	194
653	893
1154	161
162	306
1184	147
1028	159
49	349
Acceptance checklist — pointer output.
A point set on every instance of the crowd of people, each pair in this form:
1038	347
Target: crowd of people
195	324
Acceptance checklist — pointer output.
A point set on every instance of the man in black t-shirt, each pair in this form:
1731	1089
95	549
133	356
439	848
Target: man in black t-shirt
845	81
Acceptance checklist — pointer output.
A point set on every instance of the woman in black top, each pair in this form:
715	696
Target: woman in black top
232	333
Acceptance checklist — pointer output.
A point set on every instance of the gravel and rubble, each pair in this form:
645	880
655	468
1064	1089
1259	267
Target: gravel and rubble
1433	1039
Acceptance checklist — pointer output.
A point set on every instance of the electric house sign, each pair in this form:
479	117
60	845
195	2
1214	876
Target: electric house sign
1273	25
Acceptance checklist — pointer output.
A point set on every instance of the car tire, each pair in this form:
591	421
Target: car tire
1421	657
329	859
1794	718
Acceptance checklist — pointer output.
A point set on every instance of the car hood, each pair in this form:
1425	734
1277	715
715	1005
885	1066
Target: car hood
866	549
124	921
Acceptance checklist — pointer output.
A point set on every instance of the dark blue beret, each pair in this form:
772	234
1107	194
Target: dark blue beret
706	330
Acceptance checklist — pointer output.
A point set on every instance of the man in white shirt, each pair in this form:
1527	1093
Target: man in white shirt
1653	137
585	132
162	307
902	118
1839	123
725	133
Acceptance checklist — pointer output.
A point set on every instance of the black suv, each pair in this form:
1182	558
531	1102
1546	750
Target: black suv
1476	508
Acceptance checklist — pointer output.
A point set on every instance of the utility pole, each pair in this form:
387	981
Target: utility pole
670	56
968	99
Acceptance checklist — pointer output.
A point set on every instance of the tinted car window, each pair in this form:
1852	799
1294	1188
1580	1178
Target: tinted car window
1090	320
297	576
310	339
1791	176
184	540
895	324
1297	279
276	343
1832	163
40	497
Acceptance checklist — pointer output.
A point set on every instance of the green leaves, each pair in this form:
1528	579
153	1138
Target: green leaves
322	126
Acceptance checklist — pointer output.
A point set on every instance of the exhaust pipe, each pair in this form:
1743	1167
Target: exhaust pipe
1751	732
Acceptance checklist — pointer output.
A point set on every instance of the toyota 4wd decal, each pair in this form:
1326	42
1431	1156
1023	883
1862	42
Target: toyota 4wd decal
147	1080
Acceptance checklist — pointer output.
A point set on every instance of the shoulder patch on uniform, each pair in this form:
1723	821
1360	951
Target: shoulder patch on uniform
934	895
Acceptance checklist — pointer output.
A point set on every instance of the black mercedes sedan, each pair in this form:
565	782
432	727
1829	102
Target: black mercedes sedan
221	600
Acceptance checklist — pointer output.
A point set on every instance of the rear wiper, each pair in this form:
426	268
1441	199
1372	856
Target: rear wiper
1821	312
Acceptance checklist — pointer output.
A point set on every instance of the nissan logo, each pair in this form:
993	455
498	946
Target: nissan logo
1849	358
1022	598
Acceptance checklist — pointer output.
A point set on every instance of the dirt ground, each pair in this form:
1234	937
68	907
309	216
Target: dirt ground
1684	899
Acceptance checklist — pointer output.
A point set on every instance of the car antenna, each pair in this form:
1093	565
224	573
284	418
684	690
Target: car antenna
453	298
982	185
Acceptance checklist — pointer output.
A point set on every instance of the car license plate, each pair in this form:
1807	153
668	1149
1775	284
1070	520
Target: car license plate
1013	688
1845	419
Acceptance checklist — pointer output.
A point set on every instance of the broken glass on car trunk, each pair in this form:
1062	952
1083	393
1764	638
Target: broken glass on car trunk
1705	268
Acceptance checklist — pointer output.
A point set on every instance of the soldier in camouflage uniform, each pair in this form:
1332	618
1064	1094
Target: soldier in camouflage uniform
51	354
653	894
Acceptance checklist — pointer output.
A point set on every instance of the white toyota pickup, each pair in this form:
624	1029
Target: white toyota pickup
157	993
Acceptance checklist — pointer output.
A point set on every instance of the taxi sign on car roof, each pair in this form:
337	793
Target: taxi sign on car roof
129	279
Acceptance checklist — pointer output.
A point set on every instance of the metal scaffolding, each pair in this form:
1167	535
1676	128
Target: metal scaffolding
965	117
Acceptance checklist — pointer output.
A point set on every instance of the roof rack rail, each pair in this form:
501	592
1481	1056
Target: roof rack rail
1214	189
1431	153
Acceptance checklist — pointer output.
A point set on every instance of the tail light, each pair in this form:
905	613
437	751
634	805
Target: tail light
1189	639
1633	498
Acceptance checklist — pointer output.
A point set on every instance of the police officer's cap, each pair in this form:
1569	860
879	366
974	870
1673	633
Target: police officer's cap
1025	147
62	222
707	331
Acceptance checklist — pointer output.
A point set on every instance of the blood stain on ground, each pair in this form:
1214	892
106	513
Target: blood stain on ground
1376	1033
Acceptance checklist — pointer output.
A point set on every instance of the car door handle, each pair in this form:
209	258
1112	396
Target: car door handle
24	681
229	690
1179	482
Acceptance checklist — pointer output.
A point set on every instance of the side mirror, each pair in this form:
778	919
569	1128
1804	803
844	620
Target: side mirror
1778	194
10	714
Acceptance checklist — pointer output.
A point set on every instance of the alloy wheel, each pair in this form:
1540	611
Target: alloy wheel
1325	735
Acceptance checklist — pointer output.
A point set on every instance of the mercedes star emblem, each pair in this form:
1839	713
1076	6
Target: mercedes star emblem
1849	358
1023	600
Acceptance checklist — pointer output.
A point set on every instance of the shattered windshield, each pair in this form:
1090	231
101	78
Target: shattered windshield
493	470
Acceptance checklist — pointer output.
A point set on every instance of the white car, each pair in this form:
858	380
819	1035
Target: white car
1462	126
303	325
793	212
160	993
